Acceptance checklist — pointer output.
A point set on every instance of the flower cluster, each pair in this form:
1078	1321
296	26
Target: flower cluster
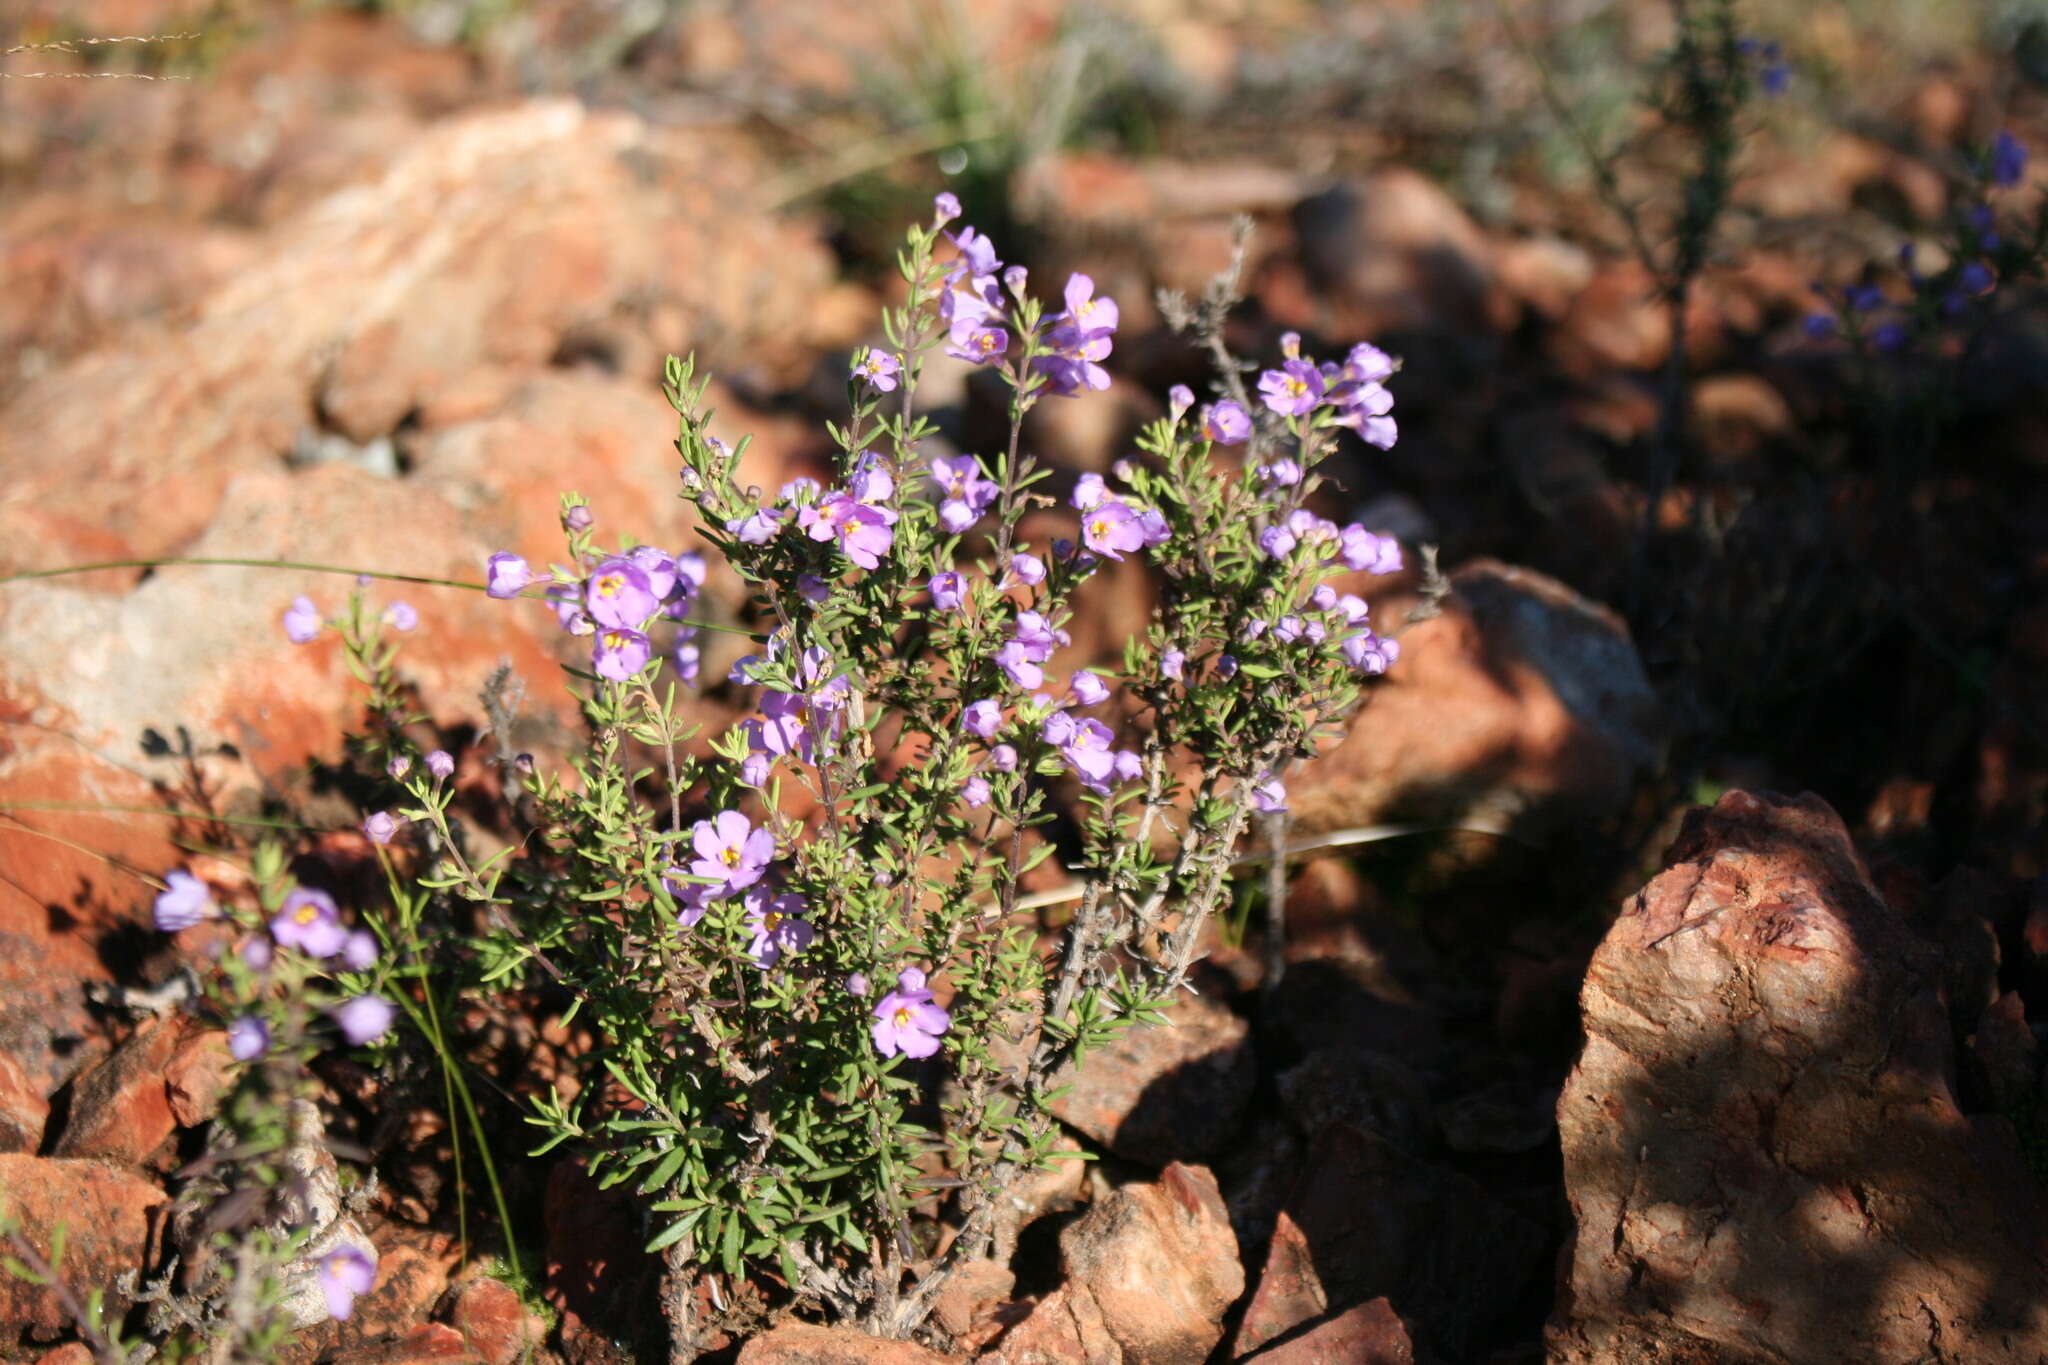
615	599
1352	394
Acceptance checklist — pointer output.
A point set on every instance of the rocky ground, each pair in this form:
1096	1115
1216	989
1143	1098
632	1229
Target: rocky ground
1625	1060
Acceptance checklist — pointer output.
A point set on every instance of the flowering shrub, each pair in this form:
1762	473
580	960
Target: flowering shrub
728	917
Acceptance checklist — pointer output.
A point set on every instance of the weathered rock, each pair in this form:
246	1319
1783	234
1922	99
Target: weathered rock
1031	1195
1063	1328
1393	251
805	1343
963	1303
1523	704
1165	1092
492	1320
1366	1220
491	239
1161	1262
110	1219
1364	1088
24	1110
2004	1049
430	1343
121	1109
1763	1154
598	1274
1370	1333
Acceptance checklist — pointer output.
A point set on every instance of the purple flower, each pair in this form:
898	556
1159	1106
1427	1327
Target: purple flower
659	566
344	1273
440	763
1360	549
964	493
981	345
870	482
1226	666
1085	313
1015	659
1277	542
310	922
1888	336
364	1019
1862	298
977	254
359	951
1173	663
1293	390
1371	654
1089	490
1127	766
259	952
857	984
301	621
1819	326
1113	529
184	901
906	1020
1087	749
401	616
569	609
577	518
975	792
1974	278
688	660
754	769
619	653
506	574
381	827
1226	423
1269	797
862	531
758	529
248	1038
731	853
982	718
692	898
1280	474
948	589
1179	399
620	595
1003	758
2008	159
1087	689
878	370
1027	569
398	767
776	925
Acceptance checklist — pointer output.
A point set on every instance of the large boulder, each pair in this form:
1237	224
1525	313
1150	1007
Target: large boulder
1763	1152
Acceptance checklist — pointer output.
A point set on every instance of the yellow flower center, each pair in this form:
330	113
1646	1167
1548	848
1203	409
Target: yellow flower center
1098	527
729	856
902	1016
1296	387
614	640
610	584
305	914
769	921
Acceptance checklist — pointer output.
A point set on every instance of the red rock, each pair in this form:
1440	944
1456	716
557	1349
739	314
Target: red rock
1365	1219
121	1109
1370	1333
197	1076
1393	251
430	1343
111	1221
804	1343
70	1353
1160	1260
1165	1092
23	1109
494	1322
1523	704
2005	1051
1762	1154
1063	1328
597	1273
1289	1293
965	1300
